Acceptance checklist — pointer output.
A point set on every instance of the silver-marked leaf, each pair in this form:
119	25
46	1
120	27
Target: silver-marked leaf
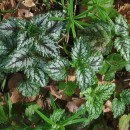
36	73
104	91
47	47
118	107
8	27
56	69
125	95
57	115
54	27
94	108
123	46
121	26
95	61
99	34
30	110
51	28
19	60
29	88
80	51
85	77
24	41
40	20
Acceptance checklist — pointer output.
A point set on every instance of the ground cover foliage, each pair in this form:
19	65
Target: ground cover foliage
64	51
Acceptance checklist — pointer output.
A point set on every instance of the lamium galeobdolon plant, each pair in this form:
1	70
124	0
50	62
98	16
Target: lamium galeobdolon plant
32	47
28	45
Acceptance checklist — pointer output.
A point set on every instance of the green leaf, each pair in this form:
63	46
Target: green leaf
3	117
109	76
62	85
36	73
123	46
56	69
124	123
97	35
118	107
121	26
29	88
47	47
104	68
104	91
127	67
106	4
112	63
125	96
69	87
115	61
95	96
85	77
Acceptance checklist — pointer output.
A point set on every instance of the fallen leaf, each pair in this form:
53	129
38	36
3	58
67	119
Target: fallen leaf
59	94
72	107
24	13
124	122
13	3
2	6
107	107
28	3
7	15
74	104
125	11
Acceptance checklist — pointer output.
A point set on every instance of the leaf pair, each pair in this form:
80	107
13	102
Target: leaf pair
111	64
122	41
118	105
86	63
95	96
28	46
99	36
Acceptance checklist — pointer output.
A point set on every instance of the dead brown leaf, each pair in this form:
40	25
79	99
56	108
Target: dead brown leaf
59	94
7	15
107	107
125	11
74	105
2	6
13	3
28	3
24	13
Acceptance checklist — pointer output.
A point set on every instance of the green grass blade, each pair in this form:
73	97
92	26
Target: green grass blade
76	121
53	102
83	14
49	121
83	23
70	8
72	117
78	25
73	30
